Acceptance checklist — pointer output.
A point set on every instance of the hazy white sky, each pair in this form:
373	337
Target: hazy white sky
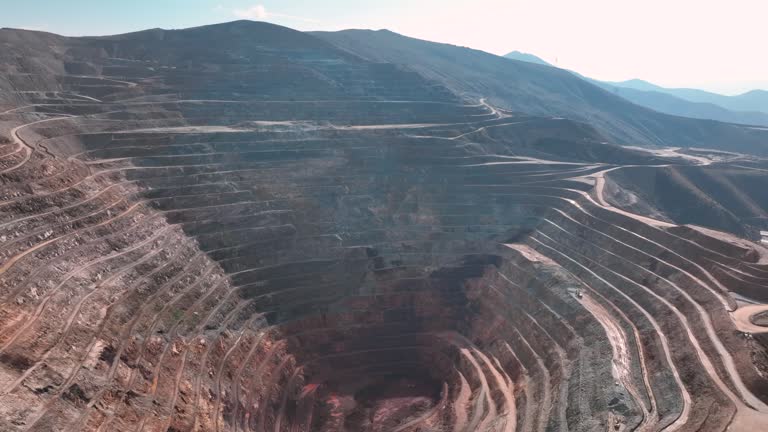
670	42
712	44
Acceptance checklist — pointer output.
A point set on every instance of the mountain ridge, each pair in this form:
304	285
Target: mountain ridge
521	56
749	108
541	90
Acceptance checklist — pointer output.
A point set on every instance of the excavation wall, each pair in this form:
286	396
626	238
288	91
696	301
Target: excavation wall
283	236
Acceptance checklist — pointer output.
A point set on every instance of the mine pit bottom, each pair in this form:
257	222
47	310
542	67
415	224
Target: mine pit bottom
379	403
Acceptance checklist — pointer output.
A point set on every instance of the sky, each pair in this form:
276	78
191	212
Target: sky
716	45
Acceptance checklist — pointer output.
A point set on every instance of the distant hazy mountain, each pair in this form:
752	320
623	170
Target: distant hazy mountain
530	58
636	84
748	108
755	100
670	104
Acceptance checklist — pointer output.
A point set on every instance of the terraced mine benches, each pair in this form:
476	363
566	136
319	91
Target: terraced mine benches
345	245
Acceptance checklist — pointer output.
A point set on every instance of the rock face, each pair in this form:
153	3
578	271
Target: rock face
243	227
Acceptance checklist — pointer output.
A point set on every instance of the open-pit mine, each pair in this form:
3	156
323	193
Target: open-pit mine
243	227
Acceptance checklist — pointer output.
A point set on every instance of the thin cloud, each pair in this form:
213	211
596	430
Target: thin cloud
260	13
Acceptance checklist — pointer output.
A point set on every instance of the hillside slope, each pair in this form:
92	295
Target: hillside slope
540	90
670	104
754	100
664	100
